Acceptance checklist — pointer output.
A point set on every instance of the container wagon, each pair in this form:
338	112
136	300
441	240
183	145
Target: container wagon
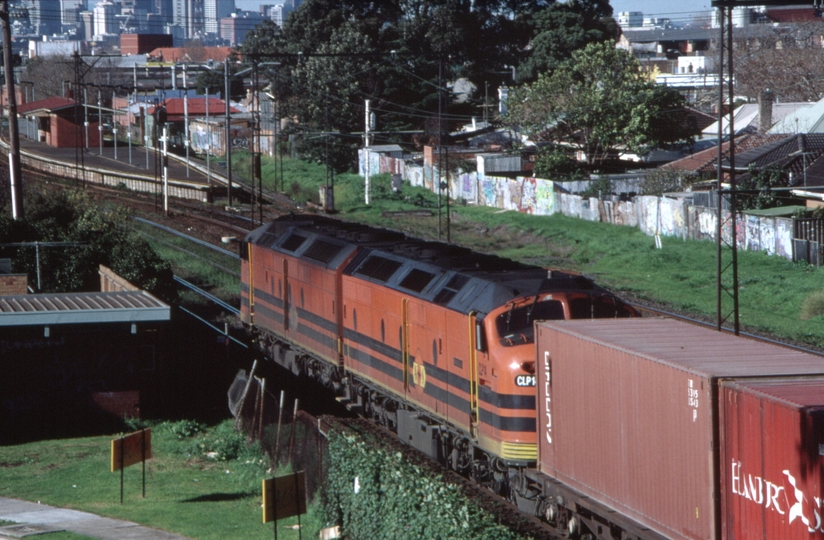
655	428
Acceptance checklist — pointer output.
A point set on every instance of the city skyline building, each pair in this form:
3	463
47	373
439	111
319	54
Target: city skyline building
214	10
105	23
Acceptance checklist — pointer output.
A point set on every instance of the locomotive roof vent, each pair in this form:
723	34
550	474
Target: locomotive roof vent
293	242
379	268
417	280
451	288
322	251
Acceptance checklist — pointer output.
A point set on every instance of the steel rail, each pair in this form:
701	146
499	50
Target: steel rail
187	237
228	307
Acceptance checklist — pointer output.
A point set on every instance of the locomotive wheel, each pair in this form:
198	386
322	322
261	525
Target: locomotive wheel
551	513
573	527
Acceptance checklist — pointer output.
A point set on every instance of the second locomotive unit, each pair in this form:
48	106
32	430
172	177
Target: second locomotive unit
431	340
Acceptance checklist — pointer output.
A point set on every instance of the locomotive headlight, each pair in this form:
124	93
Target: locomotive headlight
529	367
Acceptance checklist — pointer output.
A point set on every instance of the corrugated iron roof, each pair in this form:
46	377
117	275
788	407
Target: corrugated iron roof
81	308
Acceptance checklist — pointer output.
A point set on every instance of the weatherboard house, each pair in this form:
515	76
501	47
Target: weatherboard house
58	122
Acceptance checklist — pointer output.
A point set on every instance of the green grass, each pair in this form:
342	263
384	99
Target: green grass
186	492
206	268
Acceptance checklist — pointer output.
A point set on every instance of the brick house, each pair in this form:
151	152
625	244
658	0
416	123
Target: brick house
56	122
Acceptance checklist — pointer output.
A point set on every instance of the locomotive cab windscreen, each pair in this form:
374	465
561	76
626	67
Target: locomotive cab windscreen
515	326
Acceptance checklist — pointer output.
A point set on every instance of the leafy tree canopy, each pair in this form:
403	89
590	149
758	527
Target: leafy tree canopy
401	50
70	216
762	180
563	28
600	101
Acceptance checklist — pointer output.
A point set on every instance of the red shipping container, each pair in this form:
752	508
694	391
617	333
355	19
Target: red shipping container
628	413
772	444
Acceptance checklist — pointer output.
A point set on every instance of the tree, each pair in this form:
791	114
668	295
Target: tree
71	216
600	101
762	181
784	59
554	161
561	29
50	75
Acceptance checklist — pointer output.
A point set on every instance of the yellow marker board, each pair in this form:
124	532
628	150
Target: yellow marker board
130	449
284	497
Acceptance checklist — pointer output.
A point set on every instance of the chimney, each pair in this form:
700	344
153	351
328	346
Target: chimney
765	106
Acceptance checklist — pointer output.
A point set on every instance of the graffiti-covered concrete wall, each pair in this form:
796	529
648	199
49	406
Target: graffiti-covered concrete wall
665	216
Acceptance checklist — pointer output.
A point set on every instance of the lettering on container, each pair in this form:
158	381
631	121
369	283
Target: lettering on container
547	397
693	400
786	499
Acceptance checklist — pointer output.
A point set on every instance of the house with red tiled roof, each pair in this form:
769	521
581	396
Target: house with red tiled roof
58	122
176	111
704	164
205	134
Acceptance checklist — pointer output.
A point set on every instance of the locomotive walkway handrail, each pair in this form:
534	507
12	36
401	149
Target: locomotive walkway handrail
192	287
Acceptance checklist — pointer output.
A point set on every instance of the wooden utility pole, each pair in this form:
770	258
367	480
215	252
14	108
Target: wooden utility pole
14	135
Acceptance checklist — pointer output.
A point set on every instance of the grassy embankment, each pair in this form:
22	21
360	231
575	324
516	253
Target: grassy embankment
681	276
186	492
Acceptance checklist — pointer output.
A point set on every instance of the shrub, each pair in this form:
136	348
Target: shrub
813	305
183	429
659	181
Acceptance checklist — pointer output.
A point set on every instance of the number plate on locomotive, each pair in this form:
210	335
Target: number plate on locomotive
525	380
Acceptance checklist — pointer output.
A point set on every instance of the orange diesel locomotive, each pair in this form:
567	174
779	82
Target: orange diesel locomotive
432	340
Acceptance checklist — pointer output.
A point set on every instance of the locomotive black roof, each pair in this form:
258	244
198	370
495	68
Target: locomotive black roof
445	274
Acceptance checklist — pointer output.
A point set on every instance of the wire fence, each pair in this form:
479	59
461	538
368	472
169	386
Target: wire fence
288	435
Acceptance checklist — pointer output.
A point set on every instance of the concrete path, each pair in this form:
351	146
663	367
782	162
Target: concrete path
33	518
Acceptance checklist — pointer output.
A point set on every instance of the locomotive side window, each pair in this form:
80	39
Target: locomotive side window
515	326
244	251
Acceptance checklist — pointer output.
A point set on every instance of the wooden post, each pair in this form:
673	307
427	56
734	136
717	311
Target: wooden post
277	436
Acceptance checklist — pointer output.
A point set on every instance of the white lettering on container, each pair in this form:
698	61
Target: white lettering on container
547	397
772	496
692	400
